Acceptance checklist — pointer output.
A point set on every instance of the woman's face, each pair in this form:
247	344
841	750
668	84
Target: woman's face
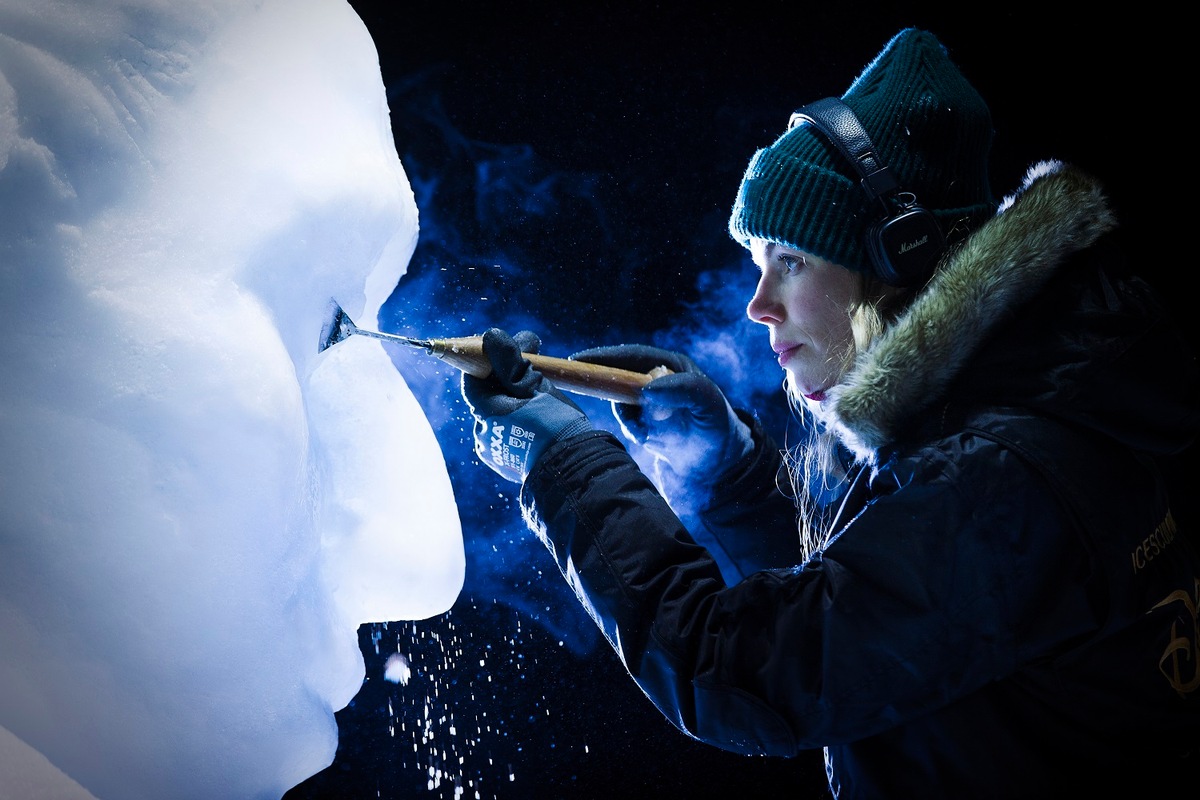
806	302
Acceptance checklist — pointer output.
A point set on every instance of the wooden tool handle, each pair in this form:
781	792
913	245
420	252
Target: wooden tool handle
579	377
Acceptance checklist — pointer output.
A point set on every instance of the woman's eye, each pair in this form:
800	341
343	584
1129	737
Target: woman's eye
791	263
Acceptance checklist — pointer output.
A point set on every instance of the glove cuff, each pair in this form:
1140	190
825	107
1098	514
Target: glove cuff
516	440
539	445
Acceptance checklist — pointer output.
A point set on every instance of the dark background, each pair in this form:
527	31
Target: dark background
574	169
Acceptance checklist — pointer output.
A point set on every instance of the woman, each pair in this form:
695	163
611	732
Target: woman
992	597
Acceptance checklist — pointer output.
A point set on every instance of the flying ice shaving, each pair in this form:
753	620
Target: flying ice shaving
396	669
197	509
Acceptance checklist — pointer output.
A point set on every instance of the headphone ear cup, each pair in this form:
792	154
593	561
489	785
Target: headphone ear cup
905	248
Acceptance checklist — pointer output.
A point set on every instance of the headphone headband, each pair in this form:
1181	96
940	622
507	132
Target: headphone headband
905	244
843	130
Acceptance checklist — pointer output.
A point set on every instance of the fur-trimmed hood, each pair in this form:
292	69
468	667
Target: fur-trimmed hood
988	282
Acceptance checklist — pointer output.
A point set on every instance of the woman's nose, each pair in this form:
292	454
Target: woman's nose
764	307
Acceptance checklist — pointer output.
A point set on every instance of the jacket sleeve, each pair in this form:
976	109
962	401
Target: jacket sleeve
911	611
748	517
645	582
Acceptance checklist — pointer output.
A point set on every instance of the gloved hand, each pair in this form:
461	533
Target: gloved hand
518	412
684	418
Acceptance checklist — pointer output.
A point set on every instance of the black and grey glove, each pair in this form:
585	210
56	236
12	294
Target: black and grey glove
684	418
518	411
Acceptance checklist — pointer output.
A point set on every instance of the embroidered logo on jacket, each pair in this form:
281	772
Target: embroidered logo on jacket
1180	662
1154	544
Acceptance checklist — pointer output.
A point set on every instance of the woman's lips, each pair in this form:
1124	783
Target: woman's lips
784	353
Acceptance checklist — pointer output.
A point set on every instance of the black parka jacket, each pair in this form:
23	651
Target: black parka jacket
1008	606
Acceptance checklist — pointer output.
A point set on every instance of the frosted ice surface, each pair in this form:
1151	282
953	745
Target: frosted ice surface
197	509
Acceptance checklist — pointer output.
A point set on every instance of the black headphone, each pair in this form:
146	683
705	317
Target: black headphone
905	244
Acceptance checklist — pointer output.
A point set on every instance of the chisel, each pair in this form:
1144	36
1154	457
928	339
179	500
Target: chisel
466	353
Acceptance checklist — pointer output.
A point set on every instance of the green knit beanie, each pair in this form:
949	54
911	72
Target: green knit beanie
928	124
